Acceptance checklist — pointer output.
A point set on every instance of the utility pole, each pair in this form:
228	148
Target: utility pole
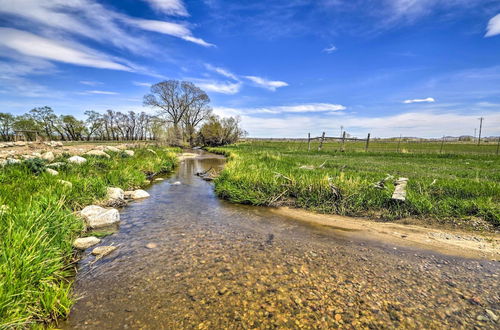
341	129
480	129
475	131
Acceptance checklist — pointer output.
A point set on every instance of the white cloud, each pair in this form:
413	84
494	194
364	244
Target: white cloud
267	84
101	92
221	71
427	100
330	49
32	45
218	87
169	7
90	83
142	84
324	108
493	28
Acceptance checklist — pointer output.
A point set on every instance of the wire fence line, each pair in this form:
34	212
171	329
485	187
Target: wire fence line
445	145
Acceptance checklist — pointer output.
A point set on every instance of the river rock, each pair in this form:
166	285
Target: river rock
97	153
159	179
115	193
51	171
130	153
136	194
84	243
98	217
102	251
151	245
176	183
56	165
48	156
112	149
76	160
65	183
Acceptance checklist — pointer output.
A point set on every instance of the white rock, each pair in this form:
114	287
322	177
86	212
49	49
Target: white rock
97	217
136	194
51	171
102	251
65	183
77	160
176	183
112	149
98	153
131	153
84	243
20	143
48	156
115	193
37	154
56	165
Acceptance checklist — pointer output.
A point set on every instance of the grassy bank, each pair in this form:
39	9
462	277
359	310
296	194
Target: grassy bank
458	189
38	226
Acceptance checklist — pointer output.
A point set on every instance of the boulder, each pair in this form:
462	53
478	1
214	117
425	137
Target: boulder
97	153
130	153
37	154
51	171
84	243
76	160
112	149
102	251
136	194
56	164
115	193
65	183
98	217
48	156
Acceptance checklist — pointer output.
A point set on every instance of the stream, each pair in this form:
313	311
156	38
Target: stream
211	264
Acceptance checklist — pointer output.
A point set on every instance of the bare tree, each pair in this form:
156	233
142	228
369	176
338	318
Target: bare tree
174	98
198	112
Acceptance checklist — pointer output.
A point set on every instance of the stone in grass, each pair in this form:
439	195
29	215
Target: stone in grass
48	156
112	149
51	171
84	243
65	183
130	153
97	153
57	164
115	194
102	251
76	160
98	217
136	194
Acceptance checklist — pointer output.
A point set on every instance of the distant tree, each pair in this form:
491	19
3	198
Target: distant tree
173	99
216	131
46	119
72	127
6	124
93	123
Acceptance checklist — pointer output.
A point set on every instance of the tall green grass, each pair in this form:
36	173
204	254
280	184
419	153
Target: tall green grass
445	187
37	229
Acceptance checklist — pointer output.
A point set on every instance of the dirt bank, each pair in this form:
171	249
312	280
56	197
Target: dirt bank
456	243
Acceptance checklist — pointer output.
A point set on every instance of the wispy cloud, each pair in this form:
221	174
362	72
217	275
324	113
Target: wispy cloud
90	83
32	45
330	49
267	84
142	84
493	28
427	100
169	7
101	92
221	71
229	88
323	108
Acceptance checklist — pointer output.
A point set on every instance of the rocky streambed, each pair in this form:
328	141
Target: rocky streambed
186	259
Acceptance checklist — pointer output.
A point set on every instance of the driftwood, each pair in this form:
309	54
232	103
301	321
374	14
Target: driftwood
400	189
208	175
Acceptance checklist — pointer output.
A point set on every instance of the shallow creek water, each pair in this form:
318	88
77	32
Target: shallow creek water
219	265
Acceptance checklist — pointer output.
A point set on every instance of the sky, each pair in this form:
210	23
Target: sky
423	68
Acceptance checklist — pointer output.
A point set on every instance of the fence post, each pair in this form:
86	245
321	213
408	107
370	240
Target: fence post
367	142
321	143
399	141
343	141
498	145
308	142
442	144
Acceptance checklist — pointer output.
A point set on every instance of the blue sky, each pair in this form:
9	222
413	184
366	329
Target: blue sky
286	67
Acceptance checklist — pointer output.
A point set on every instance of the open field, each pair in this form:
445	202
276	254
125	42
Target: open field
38	224
460	190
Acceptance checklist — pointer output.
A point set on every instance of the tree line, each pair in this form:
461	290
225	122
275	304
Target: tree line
183	117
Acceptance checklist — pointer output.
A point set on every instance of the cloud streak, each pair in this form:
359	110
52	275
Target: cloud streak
427	100
493	28
267	84
169	7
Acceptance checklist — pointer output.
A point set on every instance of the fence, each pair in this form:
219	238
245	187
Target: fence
402	145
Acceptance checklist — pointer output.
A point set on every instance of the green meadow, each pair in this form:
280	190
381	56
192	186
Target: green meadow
447	188
38	225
